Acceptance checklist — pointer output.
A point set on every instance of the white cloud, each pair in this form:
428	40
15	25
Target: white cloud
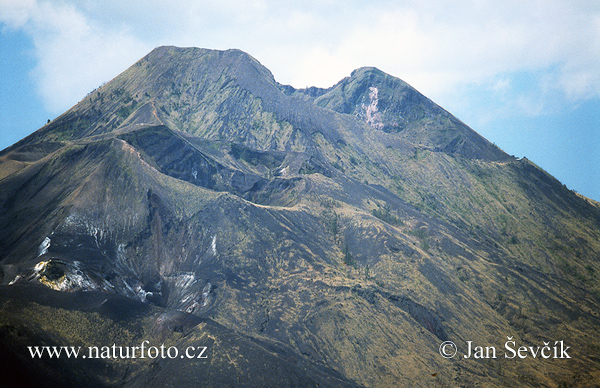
437	46
15	13
74	54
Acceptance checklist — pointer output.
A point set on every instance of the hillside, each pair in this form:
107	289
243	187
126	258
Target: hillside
340	235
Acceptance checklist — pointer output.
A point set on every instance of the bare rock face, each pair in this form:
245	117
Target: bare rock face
315	237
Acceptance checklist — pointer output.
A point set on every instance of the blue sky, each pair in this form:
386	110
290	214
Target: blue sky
525	75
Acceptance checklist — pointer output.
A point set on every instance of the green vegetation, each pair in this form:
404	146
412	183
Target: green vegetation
326	240
348	259
126	110
384	214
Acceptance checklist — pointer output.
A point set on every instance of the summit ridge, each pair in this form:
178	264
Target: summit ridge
340	235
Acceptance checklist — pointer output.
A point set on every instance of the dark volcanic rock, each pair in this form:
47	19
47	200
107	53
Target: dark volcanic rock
315	237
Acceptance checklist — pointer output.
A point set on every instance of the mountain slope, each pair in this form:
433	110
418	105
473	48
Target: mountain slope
358	226
389	104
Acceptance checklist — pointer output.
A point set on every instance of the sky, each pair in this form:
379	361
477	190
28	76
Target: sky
524	74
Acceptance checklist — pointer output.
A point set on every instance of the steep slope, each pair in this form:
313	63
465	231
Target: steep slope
200	349
389	104
358	227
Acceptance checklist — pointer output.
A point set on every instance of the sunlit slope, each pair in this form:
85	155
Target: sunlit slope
358	226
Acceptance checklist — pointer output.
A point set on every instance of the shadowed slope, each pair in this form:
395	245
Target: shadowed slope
357	227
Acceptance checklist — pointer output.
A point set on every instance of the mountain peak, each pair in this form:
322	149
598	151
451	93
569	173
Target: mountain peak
366	70
389	104
229	95
308	224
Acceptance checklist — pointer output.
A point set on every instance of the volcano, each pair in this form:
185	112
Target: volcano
339	237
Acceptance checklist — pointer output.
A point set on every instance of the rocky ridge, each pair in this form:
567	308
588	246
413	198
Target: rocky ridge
348	231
